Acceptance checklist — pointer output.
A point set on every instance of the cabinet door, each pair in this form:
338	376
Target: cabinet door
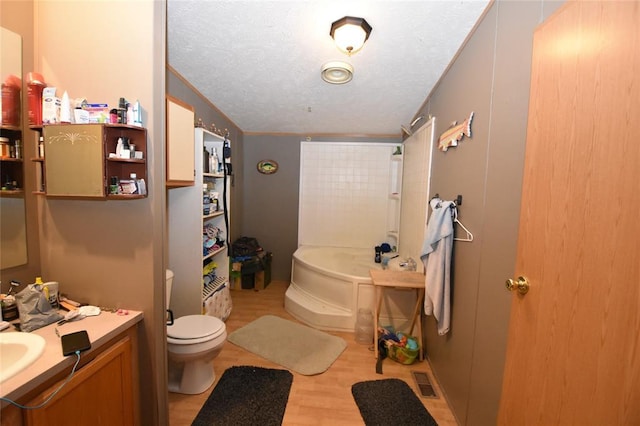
180	145
99	393
75	162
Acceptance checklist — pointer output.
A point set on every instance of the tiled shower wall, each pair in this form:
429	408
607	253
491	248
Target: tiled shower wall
344	193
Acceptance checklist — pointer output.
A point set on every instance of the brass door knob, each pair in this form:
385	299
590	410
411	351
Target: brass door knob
522	285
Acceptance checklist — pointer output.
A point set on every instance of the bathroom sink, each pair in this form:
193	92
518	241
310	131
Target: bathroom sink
18	351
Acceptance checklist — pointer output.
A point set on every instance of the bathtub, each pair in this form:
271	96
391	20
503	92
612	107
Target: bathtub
329	285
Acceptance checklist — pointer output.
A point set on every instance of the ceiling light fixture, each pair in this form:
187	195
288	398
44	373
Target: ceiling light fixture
350	33
337	72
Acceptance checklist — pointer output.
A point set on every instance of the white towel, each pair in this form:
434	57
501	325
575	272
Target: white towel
436	257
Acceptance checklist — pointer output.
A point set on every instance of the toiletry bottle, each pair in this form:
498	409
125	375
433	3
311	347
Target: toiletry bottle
41	147
18	149
205	160
126	149
134	178
65	108
137	118
213	161
119	147
113	185
130	114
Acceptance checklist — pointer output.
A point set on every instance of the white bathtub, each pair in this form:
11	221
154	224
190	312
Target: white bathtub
329	285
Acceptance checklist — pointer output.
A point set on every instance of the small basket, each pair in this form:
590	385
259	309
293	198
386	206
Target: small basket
402	354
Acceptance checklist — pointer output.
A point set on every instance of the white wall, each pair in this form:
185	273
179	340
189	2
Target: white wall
344	193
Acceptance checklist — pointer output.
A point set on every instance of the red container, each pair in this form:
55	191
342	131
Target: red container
35	86
11	102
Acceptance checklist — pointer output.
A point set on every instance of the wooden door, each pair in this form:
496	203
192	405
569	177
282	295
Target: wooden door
574	340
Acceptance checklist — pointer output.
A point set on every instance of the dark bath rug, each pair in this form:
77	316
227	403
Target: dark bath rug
388	402
247	395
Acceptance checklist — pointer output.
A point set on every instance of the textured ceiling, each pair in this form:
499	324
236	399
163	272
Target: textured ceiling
259	61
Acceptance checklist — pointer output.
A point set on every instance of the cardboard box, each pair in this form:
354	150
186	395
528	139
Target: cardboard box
98	113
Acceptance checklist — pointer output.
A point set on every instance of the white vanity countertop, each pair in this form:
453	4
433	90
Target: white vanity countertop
101	329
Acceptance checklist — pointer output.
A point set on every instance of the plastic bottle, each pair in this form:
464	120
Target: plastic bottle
119	148
137	114
213	161
35	86
205	160
364	326
65	108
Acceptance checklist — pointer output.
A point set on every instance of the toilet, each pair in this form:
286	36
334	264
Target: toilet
193	341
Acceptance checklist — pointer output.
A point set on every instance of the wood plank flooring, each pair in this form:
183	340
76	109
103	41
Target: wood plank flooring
323	399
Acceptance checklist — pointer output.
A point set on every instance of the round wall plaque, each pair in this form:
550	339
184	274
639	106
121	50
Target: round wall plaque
267	167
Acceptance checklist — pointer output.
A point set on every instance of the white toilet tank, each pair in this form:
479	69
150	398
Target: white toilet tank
169	278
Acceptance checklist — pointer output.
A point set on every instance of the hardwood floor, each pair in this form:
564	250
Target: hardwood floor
323	399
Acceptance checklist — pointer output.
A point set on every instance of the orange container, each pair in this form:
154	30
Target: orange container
35	86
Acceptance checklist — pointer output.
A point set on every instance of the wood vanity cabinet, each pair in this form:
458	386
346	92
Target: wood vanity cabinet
79	164
103	391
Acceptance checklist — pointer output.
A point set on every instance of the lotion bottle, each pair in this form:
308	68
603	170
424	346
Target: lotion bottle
119	148
65	109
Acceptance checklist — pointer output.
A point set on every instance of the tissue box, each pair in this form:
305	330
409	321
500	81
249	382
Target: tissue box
50	106
98	113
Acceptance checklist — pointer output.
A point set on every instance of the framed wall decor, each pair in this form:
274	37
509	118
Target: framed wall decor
267	167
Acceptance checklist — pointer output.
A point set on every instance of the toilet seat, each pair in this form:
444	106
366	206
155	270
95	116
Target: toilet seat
192	329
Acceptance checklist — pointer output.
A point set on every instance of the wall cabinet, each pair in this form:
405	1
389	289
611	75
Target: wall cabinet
80	160
180	147
197	237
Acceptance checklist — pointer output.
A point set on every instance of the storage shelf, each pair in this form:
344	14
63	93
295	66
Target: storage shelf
213	175
212	215
127	160
11	193
212	287
213	253
125	196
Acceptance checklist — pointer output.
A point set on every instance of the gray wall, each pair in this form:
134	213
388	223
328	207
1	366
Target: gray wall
271	201
490	76
179	88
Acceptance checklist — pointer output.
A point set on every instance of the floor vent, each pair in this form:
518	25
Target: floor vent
424	384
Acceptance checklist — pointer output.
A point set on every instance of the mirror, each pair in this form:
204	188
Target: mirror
13	233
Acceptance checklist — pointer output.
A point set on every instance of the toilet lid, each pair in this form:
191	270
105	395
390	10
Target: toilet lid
195	327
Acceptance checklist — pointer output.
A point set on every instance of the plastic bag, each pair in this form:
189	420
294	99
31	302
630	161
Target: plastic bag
245	246
35	310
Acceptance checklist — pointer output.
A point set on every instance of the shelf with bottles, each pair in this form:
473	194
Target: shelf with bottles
11	162
103	159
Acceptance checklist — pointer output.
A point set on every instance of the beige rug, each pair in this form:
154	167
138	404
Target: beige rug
297	347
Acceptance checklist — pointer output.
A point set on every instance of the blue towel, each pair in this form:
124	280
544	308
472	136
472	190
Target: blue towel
436	257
